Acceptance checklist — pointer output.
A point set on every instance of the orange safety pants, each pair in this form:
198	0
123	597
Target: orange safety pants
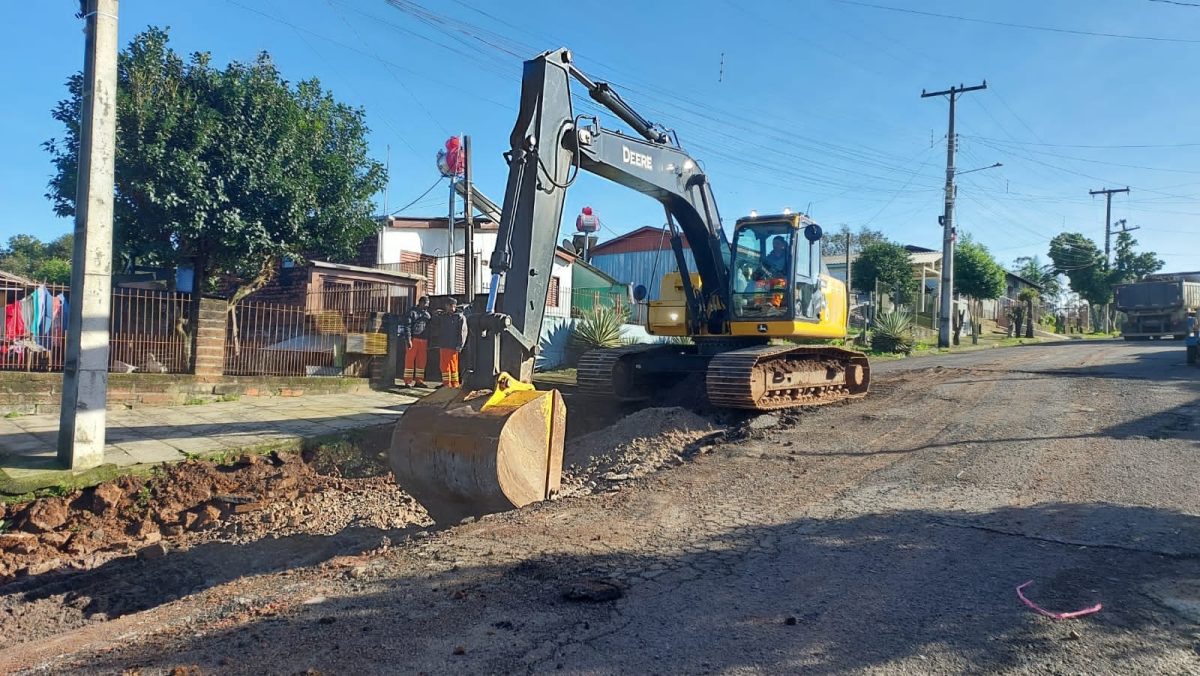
414	362
449	365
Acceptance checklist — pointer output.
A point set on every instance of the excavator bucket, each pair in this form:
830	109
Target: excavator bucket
464	454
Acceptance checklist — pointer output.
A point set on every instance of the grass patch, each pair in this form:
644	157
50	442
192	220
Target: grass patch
229	397
12	414
195	401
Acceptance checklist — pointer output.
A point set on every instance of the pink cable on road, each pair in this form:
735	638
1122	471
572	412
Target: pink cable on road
1055	616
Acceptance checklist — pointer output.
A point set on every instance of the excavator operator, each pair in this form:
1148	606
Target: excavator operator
776	262
776	265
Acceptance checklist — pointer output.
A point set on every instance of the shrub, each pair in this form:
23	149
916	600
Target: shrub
598	328
893	332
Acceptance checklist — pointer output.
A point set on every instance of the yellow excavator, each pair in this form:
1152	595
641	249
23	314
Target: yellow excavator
497	442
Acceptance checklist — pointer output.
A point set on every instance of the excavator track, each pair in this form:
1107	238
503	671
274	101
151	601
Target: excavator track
600	372
769	377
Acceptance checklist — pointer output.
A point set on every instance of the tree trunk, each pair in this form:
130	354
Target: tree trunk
1029	319
191	328
266	273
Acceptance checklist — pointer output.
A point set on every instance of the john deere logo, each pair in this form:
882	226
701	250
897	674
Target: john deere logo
762	328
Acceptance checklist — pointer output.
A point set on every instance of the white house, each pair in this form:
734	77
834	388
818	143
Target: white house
422	245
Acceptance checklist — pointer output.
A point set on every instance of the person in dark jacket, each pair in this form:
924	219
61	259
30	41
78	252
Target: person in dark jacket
452	336
414	331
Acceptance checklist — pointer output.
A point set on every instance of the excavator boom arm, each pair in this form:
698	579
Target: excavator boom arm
548	147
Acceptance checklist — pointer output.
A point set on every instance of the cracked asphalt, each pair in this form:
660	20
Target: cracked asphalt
886	536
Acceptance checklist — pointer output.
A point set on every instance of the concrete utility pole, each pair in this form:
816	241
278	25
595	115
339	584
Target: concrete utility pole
947	294
1108	193
85	370
469	217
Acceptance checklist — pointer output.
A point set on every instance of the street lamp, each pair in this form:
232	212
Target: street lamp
971	171
946	292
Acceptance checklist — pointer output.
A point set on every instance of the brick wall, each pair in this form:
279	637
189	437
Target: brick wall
27	393
210	338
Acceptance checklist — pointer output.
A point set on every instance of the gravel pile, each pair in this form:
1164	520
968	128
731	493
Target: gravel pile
634	446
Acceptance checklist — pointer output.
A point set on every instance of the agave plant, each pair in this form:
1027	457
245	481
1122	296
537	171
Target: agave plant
600	327
893	332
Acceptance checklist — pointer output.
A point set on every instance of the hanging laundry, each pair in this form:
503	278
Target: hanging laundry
66	312
47	303
14	318
27	314
56	326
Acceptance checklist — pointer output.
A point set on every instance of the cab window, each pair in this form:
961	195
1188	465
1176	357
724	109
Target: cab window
763	260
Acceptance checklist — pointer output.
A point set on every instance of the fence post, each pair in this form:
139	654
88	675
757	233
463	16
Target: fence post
210	338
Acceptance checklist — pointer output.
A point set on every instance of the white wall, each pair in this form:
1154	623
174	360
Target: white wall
433	242
562	271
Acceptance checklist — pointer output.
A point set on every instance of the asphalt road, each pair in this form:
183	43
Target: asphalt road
885	536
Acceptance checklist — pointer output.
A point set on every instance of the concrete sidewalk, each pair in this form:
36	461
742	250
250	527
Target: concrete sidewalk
154	435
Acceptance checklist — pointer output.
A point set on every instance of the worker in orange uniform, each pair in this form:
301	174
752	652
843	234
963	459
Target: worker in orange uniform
452	337
414	330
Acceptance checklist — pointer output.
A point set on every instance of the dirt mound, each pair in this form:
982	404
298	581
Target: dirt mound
634	446
198	501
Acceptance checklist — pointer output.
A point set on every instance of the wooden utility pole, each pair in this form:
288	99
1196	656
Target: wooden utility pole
849	238
469	222
1108	193
82	421
947	291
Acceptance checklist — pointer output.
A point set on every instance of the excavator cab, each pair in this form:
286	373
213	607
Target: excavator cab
779	286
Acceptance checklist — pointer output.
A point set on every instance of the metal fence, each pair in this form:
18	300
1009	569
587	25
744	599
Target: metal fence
146	330
335	328
584	301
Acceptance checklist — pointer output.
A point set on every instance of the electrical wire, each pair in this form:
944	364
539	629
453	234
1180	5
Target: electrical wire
419	197
1007	24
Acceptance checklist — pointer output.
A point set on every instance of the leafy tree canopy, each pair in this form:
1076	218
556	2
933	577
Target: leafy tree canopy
230	170
1129	265
834	243
1045	276
976	273
29	257
887	263
1082	262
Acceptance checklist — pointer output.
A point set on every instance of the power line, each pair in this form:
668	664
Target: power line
1007	24
1096	147
419	197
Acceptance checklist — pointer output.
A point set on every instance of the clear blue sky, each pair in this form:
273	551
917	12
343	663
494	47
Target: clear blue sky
817	108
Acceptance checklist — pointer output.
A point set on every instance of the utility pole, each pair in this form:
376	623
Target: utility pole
81	424
450	248
947	291
849	239
1108	193
469	218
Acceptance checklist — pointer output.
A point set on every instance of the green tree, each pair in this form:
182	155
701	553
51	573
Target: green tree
29	257
1045	276
888	264
1082	262
977	275
228	170
1129	265
834	244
